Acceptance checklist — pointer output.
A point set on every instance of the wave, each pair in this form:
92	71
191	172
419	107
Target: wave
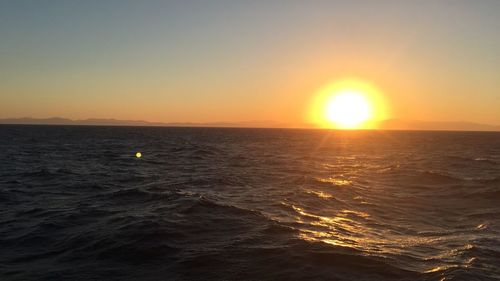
223	204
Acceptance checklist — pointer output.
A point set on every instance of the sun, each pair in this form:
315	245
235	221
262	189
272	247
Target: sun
348	104
348	109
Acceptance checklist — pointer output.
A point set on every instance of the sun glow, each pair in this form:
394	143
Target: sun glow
348	109
348	104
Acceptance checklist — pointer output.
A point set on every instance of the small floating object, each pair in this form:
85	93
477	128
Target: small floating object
138	155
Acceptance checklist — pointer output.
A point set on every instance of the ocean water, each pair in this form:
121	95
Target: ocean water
247	204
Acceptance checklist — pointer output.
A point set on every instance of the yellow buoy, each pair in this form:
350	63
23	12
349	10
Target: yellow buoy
138	155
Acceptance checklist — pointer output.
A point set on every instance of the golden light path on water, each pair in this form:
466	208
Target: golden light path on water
355	228
350	229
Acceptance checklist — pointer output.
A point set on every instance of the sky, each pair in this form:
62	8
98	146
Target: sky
233	61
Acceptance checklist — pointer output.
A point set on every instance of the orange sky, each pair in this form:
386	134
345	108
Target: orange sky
226	61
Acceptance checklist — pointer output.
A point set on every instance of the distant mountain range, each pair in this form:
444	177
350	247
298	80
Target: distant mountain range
390	124
116	122
397	124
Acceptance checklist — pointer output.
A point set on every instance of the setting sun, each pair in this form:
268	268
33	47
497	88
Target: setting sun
348	104
348	109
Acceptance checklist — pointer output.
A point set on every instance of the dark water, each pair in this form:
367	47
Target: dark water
247	204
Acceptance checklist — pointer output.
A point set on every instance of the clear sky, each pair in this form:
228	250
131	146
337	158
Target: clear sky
205	61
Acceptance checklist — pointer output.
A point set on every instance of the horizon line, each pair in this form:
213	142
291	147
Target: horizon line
238	124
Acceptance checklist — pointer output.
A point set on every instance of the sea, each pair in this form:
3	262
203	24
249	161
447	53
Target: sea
248	204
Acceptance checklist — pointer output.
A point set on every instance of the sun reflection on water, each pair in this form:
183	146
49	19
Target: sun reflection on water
320	194
338	230
351	229
335	181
